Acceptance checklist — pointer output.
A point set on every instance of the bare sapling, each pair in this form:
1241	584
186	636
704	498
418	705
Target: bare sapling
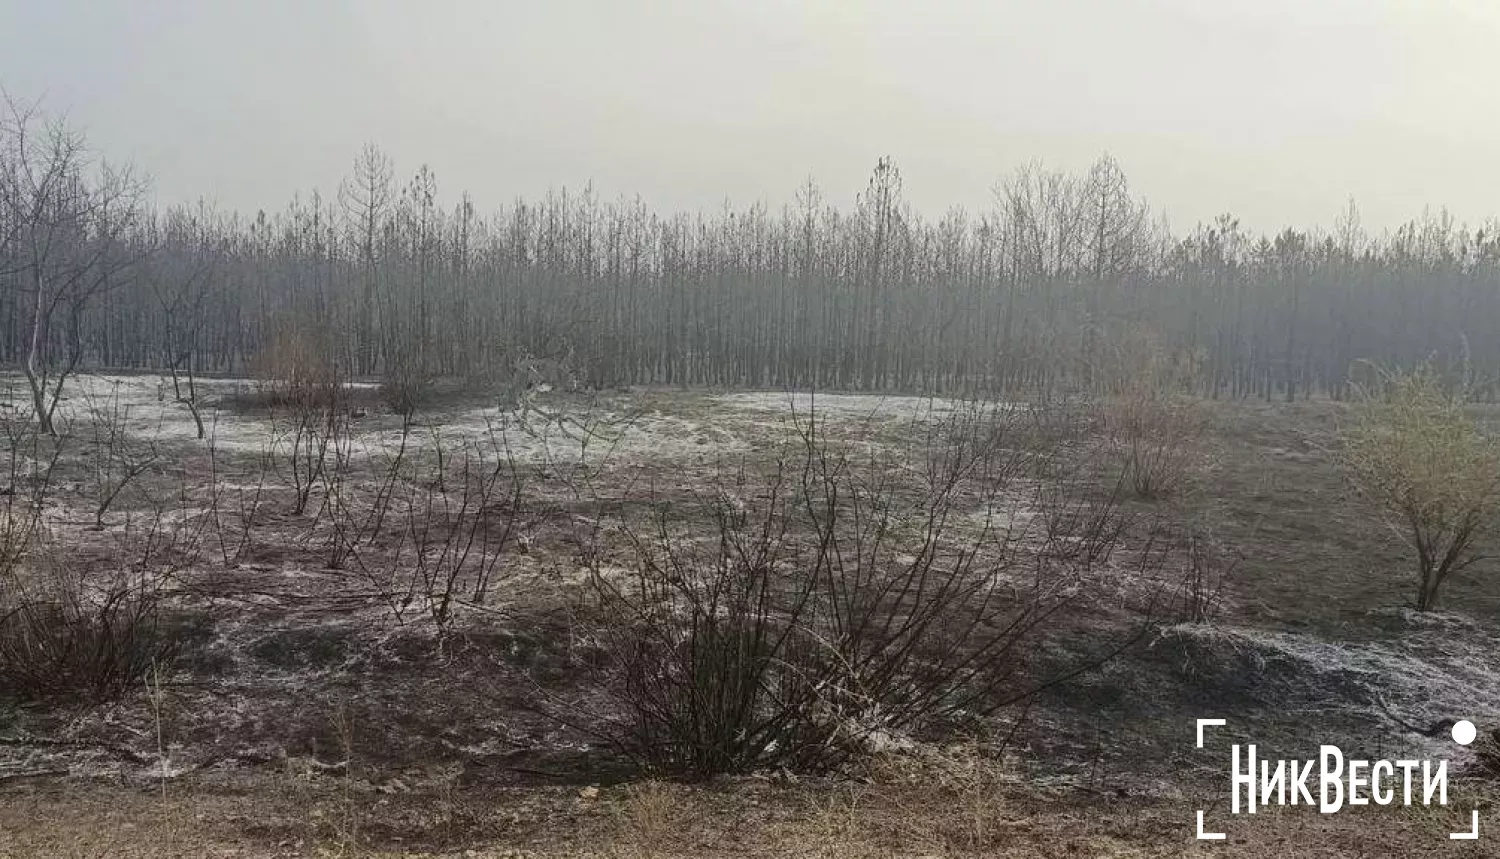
235	498
501	496
337	488
354	520
405	384
118	457
315	431
305	392
432	535
31	459
183	275
457	542
185	388
167	537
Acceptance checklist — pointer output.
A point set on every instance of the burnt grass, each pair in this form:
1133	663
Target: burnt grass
287	664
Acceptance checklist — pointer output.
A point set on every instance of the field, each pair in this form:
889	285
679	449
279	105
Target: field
427	682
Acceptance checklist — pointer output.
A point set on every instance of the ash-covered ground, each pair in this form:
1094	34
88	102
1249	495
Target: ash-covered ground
292	663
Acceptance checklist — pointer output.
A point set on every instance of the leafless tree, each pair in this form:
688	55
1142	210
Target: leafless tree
69	215
366	198
181	277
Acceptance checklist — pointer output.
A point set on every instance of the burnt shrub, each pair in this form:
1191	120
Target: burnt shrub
65	638
843	600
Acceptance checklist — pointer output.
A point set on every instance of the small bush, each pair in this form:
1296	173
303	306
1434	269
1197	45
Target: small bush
1154	423
1209	567
61	634
406	386
301	384
297	369
61	638
1417	453
1155	438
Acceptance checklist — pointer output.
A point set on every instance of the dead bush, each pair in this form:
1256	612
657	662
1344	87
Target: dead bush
62	635
1155	438
1435	474
1209	567
301	385
297	368
67	627
836	606
434	530
1153	420
406	385
117	455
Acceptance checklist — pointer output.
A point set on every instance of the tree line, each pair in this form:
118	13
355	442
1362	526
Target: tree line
1034	293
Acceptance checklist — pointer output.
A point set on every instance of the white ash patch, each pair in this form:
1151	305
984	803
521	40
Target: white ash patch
845	406
561	432
579	435
1443	667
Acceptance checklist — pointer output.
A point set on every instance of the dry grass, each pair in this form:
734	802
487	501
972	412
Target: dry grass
652	820
752	818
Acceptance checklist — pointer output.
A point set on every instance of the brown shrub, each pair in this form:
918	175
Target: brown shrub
1154	422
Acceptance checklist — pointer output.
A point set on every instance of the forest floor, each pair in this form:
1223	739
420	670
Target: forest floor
308	716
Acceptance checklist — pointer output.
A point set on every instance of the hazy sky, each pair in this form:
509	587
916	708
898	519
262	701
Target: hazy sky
1275	110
